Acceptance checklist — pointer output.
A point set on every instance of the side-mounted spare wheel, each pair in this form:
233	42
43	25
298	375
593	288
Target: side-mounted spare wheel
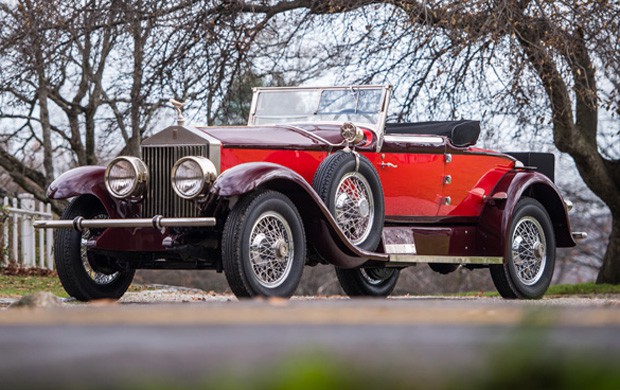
84	275
263	246
530	253
350	187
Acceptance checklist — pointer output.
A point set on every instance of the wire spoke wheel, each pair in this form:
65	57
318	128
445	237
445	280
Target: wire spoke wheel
263	246
529	253
529	250
349	186
354	207
271	249
84	274
97	277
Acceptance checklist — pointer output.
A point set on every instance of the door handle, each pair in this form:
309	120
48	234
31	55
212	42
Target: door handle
388	165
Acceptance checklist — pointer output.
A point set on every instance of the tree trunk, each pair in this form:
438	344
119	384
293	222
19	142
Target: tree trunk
610	271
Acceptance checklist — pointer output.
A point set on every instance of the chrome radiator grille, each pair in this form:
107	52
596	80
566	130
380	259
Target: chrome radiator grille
160	197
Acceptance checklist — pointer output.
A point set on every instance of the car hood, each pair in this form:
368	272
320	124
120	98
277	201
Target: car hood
306	136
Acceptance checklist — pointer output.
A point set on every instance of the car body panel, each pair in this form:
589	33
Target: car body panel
439	199
318	221
471	179
496	217
90	180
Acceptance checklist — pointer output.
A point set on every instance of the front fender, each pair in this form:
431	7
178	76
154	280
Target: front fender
244	178
321	227
496	217
87	180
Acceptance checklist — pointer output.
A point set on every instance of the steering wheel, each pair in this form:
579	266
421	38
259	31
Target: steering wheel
352	111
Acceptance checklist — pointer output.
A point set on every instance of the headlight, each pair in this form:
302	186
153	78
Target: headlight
351	133
126	177
192	175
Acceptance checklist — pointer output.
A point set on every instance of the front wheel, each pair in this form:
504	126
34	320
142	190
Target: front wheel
368	282
84	275
263	246
530	254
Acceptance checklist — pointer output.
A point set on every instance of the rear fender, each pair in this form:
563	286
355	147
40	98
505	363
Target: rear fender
88	180
321	228
496	216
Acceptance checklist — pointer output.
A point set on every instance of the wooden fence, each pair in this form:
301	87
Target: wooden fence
21	242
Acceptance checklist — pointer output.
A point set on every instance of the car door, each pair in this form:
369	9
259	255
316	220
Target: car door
469	177
411	171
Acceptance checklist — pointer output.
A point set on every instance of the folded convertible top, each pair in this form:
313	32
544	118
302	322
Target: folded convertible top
461	133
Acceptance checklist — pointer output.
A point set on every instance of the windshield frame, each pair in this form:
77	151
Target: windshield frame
377	127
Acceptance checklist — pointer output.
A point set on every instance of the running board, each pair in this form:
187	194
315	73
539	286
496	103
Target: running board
406	258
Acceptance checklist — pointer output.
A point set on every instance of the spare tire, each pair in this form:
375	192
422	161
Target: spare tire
352	192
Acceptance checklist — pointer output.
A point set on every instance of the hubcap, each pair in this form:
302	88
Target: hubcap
97	277
354	207
271	249
376	276
529	250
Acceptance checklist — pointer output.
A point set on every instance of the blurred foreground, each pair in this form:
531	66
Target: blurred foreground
218	342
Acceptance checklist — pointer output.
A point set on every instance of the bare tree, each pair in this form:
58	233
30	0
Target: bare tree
548	64
81	80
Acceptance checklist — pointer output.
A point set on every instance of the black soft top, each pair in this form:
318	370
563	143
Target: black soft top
460	133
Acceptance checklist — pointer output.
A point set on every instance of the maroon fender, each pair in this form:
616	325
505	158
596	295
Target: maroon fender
496	217
87	180
318	222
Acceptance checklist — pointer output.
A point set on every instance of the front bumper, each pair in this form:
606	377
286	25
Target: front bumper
158	222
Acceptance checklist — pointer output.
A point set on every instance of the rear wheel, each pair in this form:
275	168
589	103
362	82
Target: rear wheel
263	246
373	282
530	254
83	274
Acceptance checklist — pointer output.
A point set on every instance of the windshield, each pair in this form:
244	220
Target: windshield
362	104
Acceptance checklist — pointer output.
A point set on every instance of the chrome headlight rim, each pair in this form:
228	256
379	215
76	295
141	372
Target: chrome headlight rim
208	174
351	133
140	179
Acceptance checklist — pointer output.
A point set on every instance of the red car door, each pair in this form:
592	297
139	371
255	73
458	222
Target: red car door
469	177
411	171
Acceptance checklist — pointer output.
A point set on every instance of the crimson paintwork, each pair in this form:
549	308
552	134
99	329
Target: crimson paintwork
89	180
412	169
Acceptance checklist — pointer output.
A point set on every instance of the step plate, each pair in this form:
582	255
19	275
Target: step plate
408	259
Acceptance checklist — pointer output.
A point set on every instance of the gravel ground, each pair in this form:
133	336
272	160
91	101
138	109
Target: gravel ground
161	294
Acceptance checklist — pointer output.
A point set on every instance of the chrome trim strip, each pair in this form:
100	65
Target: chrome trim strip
413	139
333	87
156	222
400	249
387	93
215	147
579	235
308	133
396	258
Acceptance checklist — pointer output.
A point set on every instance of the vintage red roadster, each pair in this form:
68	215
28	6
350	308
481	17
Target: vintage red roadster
316	177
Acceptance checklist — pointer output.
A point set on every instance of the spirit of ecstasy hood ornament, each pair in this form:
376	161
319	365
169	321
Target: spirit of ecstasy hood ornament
178	106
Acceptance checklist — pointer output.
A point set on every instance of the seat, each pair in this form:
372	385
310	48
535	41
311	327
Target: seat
461	133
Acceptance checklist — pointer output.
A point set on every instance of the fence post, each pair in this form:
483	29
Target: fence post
5	234
41	234
28	242
49	234
14	253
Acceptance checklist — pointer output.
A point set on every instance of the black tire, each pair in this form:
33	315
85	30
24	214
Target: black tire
530	238
333	171
80	274
368	282
245	277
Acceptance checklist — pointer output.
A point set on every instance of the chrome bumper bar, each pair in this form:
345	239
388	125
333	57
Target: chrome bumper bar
157	222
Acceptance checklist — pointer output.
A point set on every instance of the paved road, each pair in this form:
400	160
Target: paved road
187	342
